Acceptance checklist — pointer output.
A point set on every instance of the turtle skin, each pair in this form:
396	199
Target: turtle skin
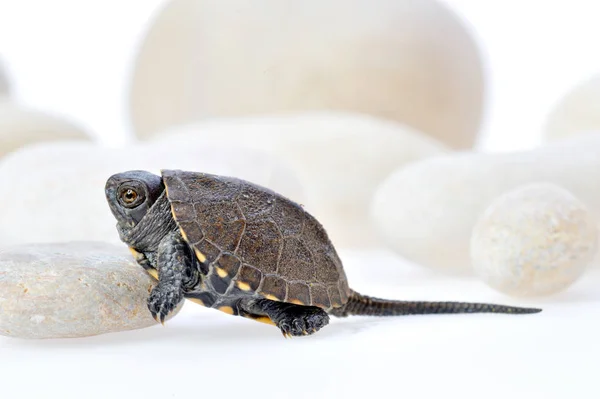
252	241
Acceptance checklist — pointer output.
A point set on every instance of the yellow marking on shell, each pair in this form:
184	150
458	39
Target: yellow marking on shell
201	257
272	297
198	301
153	273
135	253
220	272
183	235
297	302
226	309
264	319
243	286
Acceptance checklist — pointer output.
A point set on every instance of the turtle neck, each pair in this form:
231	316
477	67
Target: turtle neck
154	226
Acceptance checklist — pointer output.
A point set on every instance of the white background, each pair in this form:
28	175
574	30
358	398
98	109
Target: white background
74	57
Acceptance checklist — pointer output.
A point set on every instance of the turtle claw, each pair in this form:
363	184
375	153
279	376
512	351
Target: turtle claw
161	303
286	335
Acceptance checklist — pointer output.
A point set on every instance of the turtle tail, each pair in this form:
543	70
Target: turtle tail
362	305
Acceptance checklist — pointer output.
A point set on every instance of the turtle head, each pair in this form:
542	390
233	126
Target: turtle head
131	194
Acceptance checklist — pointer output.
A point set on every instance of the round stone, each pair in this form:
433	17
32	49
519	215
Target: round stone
55	191
339	158
409	61
21	126
75	289
4	86
534	240
577	112
426	211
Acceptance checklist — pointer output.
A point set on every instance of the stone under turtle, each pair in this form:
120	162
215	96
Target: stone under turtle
235	246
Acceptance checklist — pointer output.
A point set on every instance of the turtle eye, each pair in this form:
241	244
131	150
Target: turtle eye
130	197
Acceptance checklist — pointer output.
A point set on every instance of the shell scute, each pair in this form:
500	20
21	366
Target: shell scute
249	276
334	296
226	236
298	293
229	263
184	211
289	217
191	231
274	288
255	204
209	250
296	262
319	296
260	246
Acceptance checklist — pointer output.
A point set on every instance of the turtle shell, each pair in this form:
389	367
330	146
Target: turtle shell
255	241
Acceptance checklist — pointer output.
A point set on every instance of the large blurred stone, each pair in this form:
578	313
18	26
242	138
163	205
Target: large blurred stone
74	289
4	85
339	158
577	112
409	61
55	191
427	211
20	126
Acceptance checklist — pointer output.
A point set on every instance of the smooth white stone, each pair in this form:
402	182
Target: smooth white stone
409	61
55	192
577	112
4	85
340	159
21	126
75	289
535	240
426	212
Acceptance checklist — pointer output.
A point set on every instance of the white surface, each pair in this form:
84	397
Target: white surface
207	354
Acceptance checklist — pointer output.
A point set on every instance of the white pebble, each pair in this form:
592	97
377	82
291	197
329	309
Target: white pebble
534	240
577	112
426	212
55	191
340	159
409	61
76	289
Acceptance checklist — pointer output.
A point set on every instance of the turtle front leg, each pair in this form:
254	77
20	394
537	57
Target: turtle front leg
175	274
143	261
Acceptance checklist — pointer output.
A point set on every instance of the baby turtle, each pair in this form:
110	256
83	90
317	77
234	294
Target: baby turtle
232	245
